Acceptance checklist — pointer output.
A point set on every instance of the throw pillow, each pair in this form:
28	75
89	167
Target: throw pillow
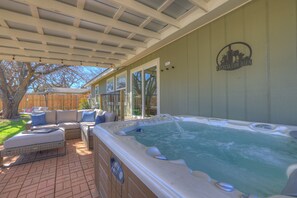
88	116
38	119
100	119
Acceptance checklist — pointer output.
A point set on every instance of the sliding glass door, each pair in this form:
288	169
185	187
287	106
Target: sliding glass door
150	91
144	88
137	93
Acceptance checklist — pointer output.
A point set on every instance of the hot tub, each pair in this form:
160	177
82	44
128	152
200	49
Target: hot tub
192	157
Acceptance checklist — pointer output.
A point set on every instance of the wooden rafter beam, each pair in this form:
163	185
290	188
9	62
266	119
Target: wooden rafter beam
165	5
80	4
201	4
64	41
52	61
65	9
29	20
59	56
139	7
58	49
4	24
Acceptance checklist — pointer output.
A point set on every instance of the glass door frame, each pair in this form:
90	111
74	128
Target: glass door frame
142	68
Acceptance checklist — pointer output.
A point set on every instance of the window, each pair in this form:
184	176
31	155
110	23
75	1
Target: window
97	90
121	81
110	85
97	93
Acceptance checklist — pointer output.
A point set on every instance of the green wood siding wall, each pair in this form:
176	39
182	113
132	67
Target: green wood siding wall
265	91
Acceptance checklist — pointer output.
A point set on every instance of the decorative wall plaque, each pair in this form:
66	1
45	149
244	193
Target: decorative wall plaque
234	56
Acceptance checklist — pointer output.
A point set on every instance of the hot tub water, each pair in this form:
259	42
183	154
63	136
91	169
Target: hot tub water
255	163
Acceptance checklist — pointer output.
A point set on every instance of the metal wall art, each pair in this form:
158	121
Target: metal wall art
231	57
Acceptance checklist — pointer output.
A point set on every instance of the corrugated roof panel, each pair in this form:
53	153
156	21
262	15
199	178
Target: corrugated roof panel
120	54
61	52
21	26
101	7
80	48
15	6
85	38
121	33
33	50
132	17
91	26
8	47
29	40
140	38
54	44
5	37
58	33
103	51
128	47
113	59
101	56
178	8
53	16
155	25
155	4
69	2
110	43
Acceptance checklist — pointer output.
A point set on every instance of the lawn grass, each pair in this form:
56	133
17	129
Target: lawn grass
9	128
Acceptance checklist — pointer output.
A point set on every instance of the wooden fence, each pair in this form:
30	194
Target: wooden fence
54	101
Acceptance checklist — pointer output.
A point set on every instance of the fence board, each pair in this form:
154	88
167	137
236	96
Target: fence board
55	101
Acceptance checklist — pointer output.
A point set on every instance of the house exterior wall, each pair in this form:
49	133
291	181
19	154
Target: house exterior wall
266	91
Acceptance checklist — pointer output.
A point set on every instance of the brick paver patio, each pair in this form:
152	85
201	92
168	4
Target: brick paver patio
71	175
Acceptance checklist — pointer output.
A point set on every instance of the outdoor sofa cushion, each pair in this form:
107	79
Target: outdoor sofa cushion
66	116
80	112
88	116
109	117
50	117
99	112
69	125
46	126
100	119
38	119
23	139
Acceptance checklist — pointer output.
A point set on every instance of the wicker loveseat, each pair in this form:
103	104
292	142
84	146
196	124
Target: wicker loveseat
87	128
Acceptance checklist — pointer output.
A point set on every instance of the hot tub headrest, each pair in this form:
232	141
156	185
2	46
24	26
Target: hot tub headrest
291	187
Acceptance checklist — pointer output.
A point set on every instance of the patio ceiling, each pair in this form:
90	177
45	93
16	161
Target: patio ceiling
102	33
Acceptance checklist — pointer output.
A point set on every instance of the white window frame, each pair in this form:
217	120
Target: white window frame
116	81
155	62
110	79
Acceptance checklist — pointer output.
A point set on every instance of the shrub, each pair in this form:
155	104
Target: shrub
84	104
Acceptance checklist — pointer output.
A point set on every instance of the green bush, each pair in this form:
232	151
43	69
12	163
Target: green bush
84	104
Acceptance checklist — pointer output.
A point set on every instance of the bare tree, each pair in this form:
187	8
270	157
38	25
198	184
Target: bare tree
65	78
150	88
16	77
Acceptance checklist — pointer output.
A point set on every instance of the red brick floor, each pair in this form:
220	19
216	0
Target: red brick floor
71	175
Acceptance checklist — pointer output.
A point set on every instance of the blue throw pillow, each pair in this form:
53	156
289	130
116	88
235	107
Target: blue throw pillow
88	116
38	119
100	119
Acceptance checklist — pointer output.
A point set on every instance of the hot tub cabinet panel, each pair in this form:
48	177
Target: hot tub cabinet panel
108	185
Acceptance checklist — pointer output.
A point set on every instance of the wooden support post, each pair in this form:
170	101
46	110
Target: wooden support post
101	102
1	161
122	105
